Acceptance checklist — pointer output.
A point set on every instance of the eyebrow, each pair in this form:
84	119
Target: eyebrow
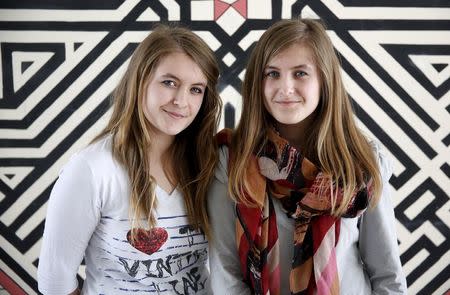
172	76
302	66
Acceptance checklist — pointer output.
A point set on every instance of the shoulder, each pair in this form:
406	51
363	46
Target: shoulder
99	149
223	139
385	162
221	173
96	157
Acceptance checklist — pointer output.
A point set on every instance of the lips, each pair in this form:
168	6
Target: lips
287	102
175	115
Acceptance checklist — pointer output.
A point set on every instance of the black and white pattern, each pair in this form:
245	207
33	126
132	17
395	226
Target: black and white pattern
60	60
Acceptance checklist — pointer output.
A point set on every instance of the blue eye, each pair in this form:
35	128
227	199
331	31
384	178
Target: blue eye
273	74
300	74
169	83
196	90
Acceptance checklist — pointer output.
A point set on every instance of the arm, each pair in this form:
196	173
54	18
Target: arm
72	216
378	240
226	276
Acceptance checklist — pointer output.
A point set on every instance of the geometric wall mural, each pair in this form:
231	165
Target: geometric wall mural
60	60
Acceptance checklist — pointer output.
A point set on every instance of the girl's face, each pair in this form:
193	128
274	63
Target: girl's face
291	85
174	94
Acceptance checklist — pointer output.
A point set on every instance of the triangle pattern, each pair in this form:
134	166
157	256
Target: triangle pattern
25	65
425	64
418	61
219	8
307	12
439	67
148	15
36	61
12	176
241	7
13	91
76	45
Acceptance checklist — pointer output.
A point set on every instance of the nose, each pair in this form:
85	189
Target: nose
181	98
287	85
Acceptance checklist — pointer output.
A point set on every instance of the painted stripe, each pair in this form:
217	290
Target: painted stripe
68	15
9	285
394	13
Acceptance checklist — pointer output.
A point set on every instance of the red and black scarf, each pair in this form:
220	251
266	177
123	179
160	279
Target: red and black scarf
281	172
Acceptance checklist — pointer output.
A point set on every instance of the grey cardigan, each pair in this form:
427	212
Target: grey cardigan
367	251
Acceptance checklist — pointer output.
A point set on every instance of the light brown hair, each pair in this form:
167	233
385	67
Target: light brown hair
335	144
192	156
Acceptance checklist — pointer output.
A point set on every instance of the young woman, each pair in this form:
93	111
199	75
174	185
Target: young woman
132	202
300	175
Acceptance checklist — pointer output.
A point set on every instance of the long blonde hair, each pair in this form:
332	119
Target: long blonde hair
335	143
193	150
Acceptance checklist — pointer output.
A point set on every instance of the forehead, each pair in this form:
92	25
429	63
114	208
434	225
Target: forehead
296	53
180	65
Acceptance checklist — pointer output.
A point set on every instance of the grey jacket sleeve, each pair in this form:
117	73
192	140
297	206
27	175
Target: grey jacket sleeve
378	239
226	275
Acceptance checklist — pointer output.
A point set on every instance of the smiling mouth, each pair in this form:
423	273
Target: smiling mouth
175	114
287	102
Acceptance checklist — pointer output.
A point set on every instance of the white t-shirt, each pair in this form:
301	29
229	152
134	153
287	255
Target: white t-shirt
88	216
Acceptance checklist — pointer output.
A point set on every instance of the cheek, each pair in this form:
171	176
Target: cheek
197	104
146	106
266	104
267	92
266	88
266	96
318	86
147	101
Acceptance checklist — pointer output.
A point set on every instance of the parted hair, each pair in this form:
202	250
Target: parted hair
334	143
193	154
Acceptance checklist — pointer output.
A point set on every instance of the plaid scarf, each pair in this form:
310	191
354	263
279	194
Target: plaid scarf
305	193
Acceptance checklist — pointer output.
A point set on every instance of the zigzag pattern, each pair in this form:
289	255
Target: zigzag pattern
60	63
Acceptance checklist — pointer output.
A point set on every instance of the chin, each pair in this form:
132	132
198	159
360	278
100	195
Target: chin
174	132
177	131
288	122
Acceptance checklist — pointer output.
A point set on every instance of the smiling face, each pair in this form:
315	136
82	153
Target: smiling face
174	94
291	85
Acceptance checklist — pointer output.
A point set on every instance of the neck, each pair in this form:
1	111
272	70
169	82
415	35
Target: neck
160	144
295	134
161	168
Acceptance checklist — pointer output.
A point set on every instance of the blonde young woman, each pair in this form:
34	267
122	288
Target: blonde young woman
132	202
300	176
